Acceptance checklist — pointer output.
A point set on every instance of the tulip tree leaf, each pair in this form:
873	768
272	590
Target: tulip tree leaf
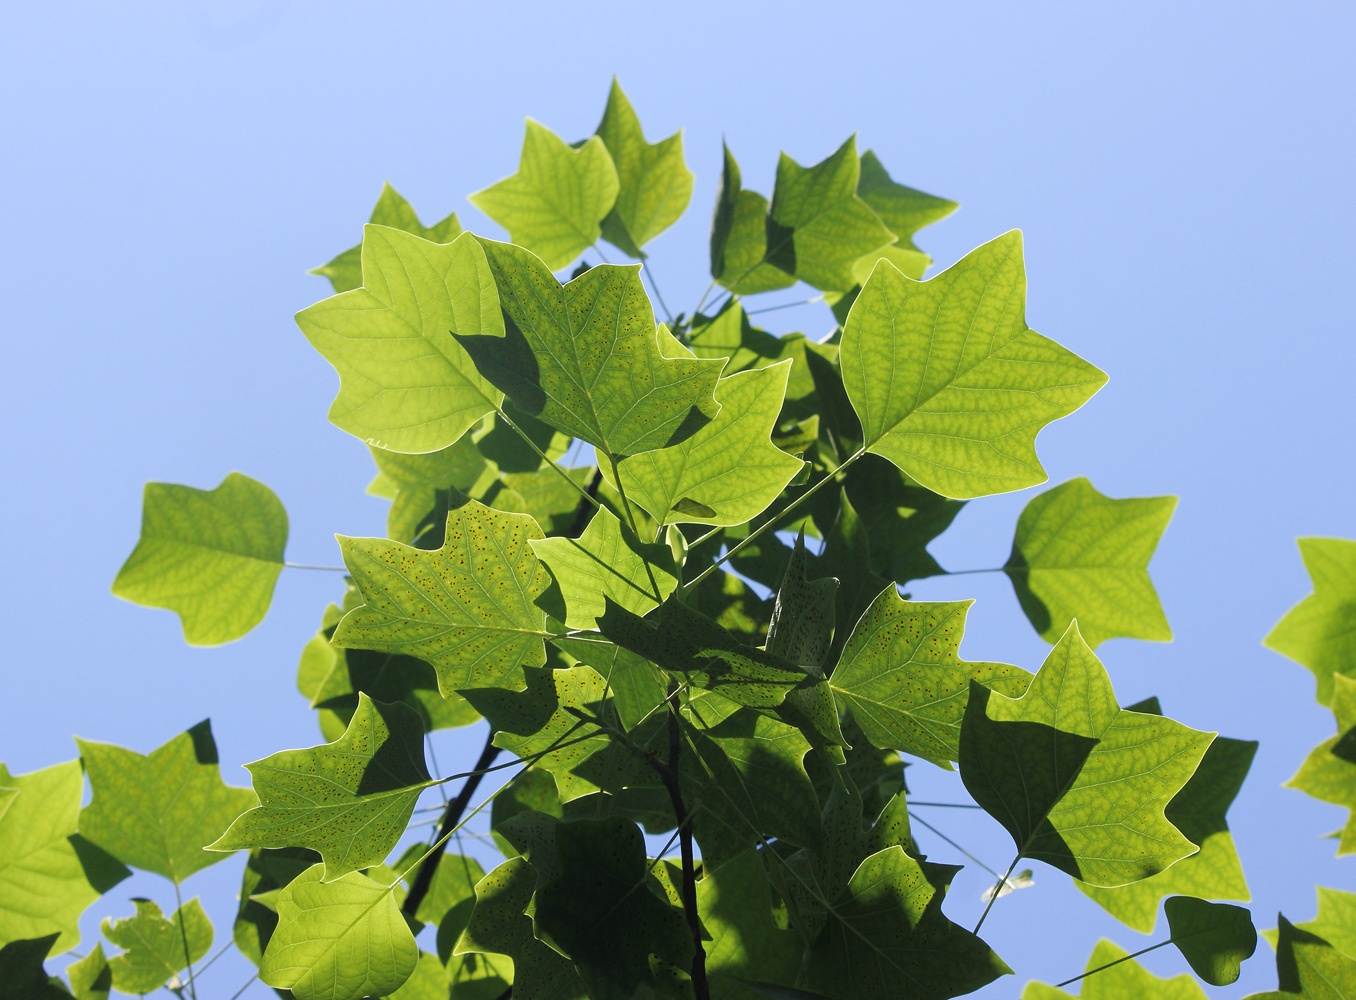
739	238
338	940
1079	554
729	334
349	800
734	901
1078	782
902	679
346	270
91	978
48	872
847	557
1198	811
801	628
210	556
947	379
404	382
1336	920
818	227
266	872
466	608
728	472
1310	967
1127	980
411	482
1325	773
605	563
1320	631
22	975
585	357
636	686
654	184
1214	938
156	949
903	209
159	811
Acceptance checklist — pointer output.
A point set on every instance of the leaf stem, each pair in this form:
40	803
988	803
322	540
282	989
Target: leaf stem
330	569
631	520
947	805
250	980
773	520
1117	962
784	305
967	572
702	301
669	775
220	951
992	898
581	512
183	934
649	273
957	846
544	457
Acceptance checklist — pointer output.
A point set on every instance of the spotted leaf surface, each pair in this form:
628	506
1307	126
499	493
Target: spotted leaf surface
801	628
466	608
349	800
1320	631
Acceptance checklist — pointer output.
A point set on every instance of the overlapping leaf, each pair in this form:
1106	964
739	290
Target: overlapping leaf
1079	554
210	556
1078	782
22	975
466	608
91	978
349	800
801	627
159	811
729	334
1127	980
405	384
903	209
555	203
346	270
156	949
1320	631
411	482
739	235
847	558
266	872
1336	920
1309	967
1329	772
947	379
734	901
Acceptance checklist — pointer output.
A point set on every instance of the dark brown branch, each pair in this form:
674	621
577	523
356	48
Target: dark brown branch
423	878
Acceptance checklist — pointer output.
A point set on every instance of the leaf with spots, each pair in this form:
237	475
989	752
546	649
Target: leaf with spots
1320	631
156	949
210	556
801	628
1309	967
466	608
349	800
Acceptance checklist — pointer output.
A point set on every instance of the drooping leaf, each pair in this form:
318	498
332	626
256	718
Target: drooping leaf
499	926
22	976
466	608
210	556
266	871
739	234
91	977
338	940
1326	773
600	911
818	227
1214	938
405	384
48	872
734	901
949	382
349	800
156	949
1079	554
585	357
1127	980
729	471
159	811
1309	967
346	270
847	557
411	482
1320	631
1198	811
1079	783
902	678
654	184
556	201
801	628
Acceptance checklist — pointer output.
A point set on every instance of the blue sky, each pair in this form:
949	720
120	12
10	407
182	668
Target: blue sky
1182	174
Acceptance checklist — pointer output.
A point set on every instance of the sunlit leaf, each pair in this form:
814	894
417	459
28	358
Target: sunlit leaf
1127	980
1320	631
739	237
91	977
156	950
734	901
1336	920
411	482
266	871
346	270
1309	967
1329	772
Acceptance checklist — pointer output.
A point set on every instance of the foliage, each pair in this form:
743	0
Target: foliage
608	623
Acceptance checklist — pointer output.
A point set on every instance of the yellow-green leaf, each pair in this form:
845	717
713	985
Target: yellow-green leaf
1320	631
739	237
156	949
1127	980
1329	772
346	270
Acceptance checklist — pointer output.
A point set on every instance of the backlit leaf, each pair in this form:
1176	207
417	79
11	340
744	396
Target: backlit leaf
266	872
1309	967
1329	775
210	556
1320	631
847	558
1336	920
156	949
159	811
405	384
730	334
91	978
1079	554
949	382
349	800
739	238
904	210
1215	938
1128	980
346	270
411	482
636	685
801	628
734	901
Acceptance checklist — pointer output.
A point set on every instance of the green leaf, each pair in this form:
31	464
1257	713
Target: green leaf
210	556
338	940
818	227
1336	920
545	496
729	334
949	382
1128	980
1198	812
454	882
902	678
1079	783
48	872
466	608
904	210
604	564
601	910
499	926
554	203
505	447
654	182
728	472
739	234
1320	631
1328	776
801	628
1079	554
346	270
404	382
847	557
22	976
1310	967
636	686
266	871
411	482
350	800
156	949
427	982
158	812
585	357
1214	938
91	977
734	901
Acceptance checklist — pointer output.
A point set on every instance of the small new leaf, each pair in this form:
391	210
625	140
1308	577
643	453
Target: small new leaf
156	949
1320	631
346	270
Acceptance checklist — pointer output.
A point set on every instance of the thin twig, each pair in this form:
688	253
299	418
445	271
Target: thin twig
784	305
1110	964
947	805
957	846
183	933
544	457
649	273
327	569
1002	881
236	994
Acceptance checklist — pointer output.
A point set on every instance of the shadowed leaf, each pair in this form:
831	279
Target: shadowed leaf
1327	776
1215	938
1127	980
739	235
